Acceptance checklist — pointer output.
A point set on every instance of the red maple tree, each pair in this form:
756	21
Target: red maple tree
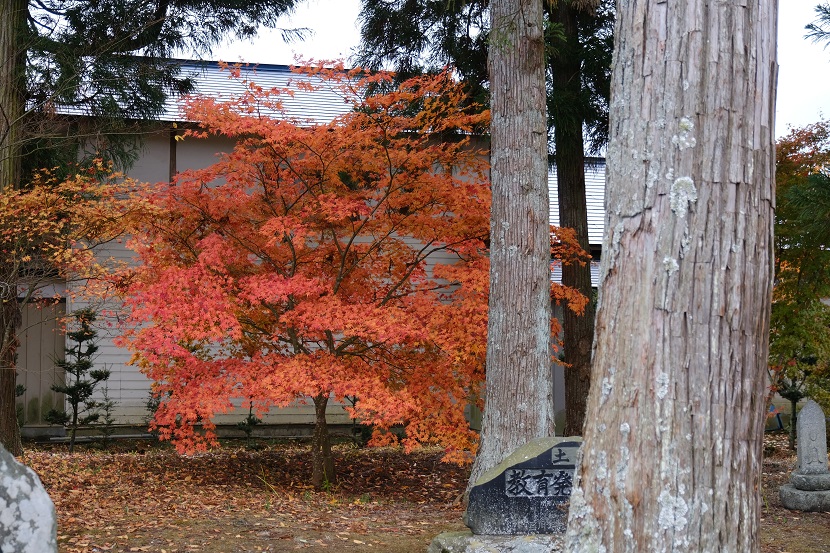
322	261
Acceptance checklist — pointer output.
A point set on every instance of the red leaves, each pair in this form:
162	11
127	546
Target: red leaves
343	258
300	264
565	249
802	152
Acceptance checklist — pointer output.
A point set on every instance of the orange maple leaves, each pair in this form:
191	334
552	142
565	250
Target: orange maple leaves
341	259
48	230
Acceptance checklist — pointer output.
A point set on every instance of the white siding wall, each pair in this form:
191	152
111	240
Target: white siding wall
594	196
153	165
41	344
126	385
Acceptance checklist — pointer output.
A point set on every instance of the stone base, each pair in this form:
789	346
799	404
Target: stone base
467	542
810	482
804	500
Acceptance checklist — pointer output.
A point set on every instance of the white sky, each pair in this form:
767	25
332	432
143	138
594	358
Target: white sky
803	80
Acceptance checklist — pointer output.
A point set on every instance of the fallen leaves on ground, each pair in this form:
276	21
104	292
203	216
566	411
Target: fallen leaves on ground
782	530
235	500
138	496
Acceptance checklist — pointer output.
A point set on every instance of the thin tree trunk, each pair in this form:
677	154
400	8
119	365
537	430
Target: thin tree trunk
12	106
322	463
566	68
10	320
673	438
9	429
519	394
74	431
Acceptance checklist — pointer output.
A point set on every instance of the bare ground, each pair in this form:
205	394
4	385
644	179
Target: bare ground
138	496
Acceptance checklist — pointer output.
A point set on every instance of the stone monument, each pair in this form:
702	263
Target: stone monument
27	514
521	505
809	487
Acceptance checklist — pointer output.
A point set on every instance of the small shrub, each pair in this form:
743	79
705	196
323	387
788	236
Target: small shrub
247	426
107	419
81	378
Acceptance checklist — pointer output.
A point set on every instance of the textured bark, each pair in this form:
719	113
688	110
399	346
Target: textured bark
9	429
12	93
672	454
573	213
322	463
12	106
519	389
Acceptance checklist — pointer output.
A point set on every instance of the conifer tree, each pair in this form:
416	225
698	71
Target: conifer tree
672	454
81	378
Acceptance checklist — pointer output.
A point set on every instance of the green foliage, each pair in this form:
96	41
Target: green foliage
81	378
800	318
247	426
107	416
424	36
819	30
585	106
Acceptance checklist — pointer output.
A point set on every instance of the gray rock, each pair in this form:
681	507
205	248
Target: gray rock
27	514
467	542
812	439
810	482
803	500
526	494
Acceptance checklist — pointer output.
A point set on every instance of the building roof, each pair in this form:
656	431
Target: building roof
215	80
320	105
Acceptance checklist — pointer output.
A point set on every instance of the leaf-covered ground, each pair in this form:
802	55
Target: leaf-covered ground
782	530
138	496
236	500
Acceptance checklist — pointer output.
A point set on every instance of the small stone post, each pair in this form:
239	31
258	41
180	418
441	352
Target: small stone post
809	487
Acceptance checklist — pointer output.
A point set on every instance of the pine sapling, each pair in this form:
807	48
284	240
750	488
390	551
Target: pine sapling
81	378
247	426
107	421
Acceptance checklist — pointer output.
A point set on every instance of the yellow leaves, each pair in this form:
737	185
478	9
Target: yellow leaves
52	225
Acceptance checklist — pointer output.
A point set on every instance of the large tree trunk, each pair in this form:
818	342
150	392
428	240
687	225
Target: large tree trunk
672	453
12	107
322	463
12	88
519	402
566	68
